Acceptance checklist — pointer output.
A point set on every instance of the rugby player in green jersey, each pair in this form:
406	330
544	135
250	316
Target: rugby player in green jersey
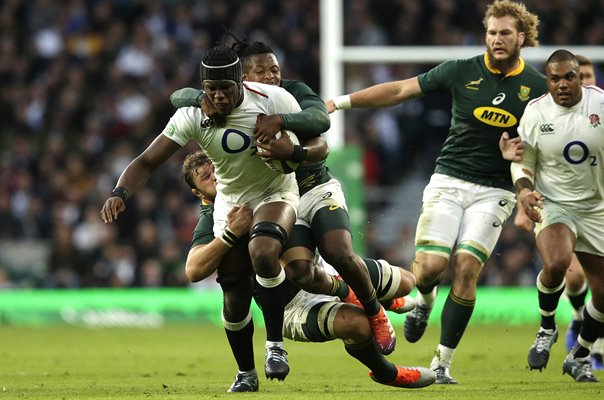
308	317
323	220
470	194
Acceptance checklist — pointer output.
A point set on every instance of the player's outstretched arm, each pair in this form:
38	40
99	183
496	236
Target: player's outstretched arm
377	96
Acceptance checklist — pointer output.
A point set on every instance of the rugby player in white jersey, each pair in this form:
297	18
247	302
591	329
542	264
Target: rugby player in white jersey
242	178
560	183
576	286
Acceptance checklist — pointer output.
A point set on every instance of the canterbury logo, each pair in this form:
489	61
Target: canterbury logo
546	128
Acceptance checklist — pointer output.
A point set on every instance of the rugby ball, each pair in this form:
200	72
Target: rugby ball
283	167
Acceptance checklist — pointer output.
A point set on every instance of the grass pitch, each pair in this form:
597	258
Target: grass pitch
194	362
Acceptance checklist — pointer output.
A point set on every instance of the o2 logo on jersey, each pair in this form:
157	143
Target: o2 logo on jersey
234	141
577	152
498	99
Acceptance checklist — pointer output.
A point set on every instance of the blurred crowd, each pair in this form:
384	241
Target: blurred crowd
85	85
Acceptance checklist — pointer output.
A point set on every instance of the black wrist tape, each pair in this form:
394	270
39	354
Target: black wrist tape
299	153
120	192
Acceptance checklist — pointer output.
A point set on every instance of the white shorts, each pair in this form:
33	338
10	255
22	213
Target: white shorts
328	194
587	226
457	211
222	206
298	314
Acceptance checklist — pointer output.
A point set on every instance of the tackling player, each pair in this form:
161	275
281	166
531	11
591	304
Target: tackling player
308	317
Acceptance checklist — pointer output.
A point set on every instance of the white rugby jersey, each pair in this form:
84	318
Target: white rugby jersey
565	148
240	172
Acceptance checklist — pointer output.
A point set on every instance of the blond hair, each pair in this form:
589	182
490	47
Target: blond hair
526	21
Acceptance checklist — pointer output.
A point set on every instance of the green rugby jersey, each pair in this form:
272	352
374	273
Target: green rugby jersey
310	122
485	103
204	230
313	119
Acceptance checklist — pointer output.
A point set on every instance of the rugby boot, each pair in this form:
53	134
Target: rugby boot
401	305
579	369
539	353
382	331
244	383
416	323
410	377
276	365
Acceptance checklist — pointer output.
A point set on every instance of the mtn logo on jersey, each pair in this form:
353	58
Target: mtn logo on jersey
495	116
546	129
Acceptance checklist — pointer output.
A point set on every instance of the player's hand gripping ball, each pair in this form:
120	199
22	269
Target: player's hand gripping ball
277	149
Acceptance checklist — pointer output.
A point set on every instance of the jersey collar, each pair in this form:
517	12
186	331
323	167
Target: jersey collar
513	72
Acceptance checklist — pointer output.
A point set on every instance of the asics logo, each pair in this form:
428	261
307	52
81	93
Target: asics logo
546	128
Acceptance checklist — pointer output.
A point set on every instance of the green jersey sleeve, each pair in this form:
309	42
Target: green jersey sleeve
186	97
313	119
439	78
204	230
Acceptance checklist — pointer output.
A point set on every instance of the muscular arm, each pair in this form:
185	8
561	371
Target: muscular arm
138	172
523	175
380	95
203	259
313	119
317	150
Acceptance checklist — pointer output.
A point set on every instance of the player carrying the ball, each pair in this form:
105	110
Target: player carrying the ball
242	178
323	220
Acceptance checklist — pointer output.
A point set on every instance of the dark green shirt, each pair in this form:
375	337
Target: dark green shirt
313	119
485	103
204	230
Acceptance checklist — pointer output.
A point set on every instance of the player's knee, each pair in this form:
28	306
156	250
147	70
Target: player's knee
557	265
353	326
266	241
300	272
467	269
342	259
428	268
236	304
268	229
407	282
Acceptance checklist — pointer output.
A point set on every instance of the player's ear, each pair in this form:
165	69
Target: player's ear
521	38
244	76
